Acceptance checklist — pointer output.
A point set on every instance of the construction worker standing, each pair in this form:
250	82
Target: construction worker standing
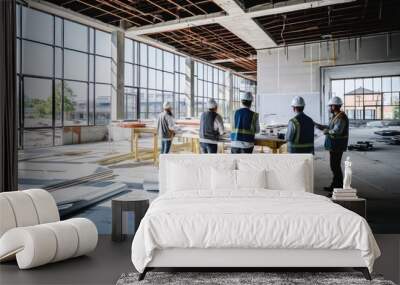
300	131
245	124
211	128
165	127
336	140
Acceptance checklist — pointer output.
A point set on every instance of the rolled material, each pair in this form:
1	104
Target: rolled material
41	244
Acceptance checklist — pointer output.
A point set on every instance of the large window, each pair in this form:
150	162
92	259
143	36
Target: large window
209	82
369	98
64	76
156	76
241	85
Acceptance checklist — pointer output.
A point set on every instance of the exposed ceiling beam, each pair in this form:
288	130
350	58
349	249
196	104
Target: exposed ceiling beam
237	20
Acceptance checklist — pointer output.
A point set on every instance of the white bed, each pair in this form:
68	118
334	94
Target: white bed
198	223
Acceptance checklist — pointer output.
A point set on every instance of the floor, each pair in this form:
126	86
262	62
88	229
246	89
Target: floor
103	266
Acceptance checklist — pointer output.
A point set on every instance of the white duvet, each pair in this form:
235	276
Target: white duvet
250	219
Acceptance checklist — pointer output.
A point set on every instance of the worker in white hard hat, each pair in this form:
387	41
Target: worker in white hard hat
336	140
300	131
245	125
211	128
165	127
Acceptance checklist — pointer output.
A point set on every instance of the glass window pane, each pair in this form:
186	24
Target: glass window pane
389	112
38	102
91	68
130	103
152	101
103	69
396	83
103	104
368	85
18	19
135	75
91	104
75	103
75	36
143	103
168	81
143	54
387	99
58	63
386	84
221	77
58	102
377	84
128	50
168	61
37	59
135	52
18	60
159	58
58	32
75	65
37	26
152	57
91	40
182	64
38	138
337	87
103	43
143	77
159	80
128	74
200	70
152	78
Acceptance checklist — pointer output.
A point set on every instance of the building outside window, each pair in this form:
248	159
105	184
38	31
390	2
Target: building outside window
152	77
369	98
63	76
209	82
240	86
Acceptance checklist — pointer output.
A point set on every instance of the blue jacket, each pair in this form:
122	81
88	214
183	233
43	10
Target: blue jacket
244	125
301	138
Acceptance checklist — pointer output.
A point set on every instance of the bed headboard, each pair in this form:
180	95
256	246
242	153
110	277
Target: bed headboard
280	162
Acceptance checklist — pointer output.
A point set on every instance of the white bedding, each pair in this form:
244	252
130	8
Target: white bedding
253	218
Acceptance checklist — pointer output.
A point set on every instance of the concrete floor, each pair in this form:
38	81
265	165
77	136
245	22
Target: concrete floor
103	266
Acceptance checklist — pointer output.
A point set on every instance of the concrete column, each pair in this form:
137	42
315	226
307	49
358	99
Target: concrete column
190	84
118	74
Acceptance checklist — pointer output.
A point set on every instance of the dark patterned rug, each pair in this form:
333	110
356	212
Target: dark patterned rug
243	278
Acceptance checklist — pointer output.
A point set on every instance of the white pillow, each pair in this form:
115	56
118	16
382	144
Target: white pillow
281	174
223	179
229	180
189	176
294	179
251	178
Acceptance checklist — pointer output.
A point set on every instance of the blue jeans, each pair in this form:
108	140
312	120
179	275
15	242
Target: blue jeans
165	146
209	147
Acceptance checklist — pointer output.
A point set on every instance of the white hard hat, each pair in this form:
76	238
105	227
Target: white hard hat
211	104
167	105
247	96
298	101
335	100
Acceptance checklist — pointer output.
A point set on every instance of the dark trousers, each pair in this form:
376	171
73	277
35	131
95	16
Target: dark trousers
165	146
209	147
242	150
335	159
